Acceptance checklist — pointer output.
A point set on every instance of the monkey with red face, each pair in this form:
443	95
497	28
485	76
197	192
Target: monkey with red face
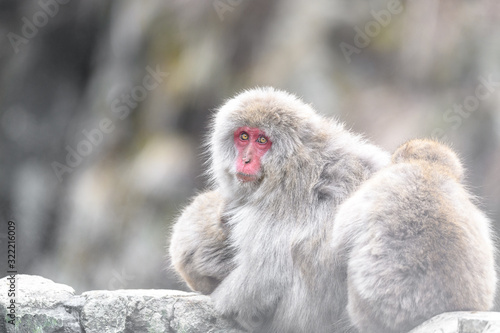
259	241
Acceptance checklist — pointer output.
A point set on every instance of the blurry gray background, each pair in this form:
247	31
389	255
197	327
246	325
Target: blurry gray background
129	86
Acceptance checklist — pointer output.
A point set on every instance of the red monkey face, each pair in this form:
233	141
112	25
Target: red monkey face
252	144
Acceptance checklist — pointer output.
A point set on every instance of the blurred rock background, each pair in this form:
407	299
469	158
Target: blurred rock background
130	85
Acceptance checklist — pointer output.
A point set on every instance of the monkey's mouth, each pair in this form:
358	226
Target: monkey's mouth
245	177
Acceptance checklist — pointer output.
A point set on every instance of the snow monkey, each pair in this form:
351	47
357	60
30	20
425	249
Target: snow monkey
414	242
260	241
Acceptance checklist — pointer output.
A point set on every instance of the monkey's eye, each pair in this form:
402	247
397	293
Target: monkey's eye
244	136
262	140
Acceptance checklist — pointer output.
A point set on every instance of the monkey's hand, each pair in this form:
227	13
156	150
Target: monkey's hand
246	315
245	298
199	248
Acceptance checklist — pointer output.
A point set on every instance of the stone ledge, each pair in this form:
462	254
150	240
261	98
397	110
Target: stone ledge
45	306
48	307
461	322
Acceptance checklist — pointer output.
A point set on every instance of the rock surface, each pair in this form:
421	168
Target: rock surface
461	322
48	307
45	306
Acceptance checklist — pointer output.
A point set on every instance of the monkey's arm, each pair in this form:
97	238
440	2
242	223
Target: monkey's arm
199	248
349	223
252	291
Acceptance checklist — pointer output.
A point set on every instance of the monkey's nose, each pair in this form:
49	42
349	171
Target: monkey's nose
246	160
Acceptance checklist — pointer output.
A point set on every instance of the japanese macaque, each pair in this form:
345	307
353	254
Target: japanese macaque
279	172
414	243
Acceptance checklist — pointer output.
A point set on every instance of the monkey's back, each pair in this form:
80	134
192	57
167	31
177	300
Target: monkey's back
424	249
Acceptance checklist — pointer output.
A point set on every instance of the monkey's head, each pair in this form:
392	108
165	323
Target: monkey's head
432	152
255	134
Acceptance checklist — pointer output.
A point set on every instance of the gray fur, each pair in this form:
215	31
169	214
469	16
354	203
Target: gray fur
414	243
285	278
199	248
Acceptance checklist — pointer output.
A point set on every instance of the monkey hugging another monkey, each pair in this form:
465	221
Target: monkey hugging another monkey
309	228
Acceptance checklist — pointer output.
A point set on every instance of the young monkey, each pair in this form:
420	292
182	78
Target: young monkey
414	243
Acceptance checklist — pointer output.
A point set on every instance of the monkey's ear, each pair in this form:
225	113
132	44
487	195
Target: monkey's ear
402	153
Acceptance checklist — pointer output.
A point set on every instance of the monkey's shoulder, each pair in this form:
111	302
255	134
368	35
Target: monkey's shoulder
340	176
